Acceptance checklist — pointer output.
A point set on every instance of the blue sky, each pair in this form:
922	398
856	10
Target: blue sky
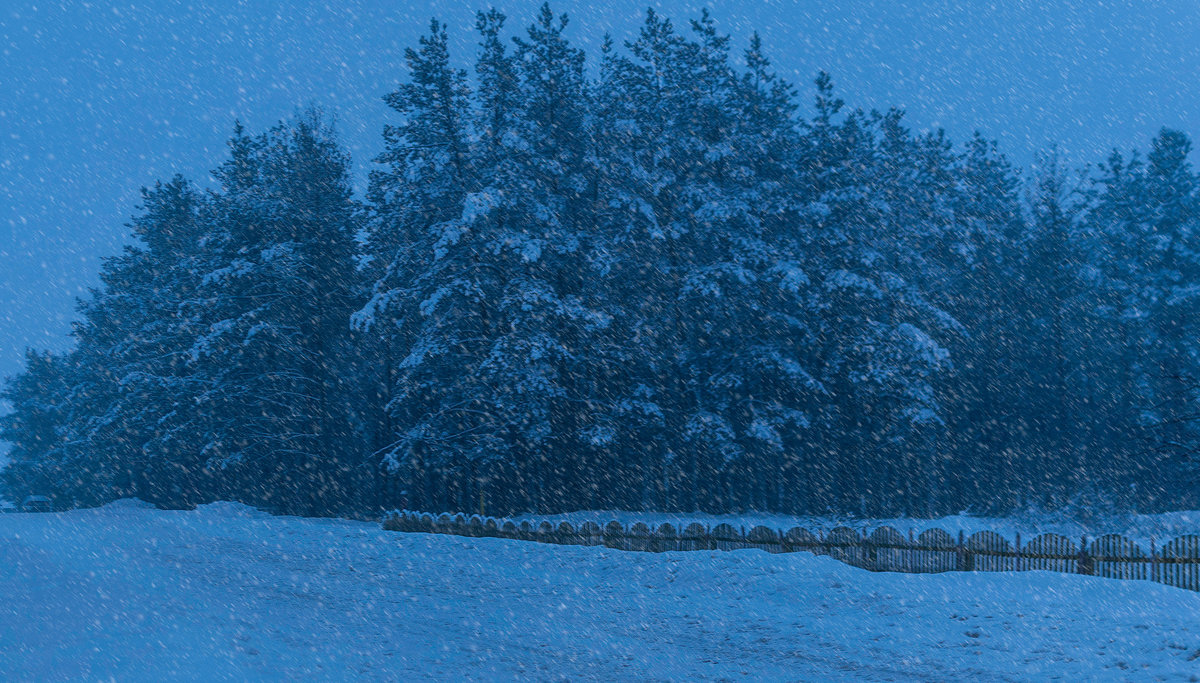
98	99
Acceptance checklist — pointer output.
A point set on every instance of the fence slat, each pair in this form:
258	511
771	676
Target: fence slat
725	537
1179	563
1117	557
797	539
763	538
614	536
591	533
639	538
886	549
990	552
695	537
665	538
845	545
936	551
1051	552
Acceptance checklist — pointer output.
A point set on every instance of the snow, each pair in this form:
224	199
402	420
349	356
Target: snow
844	279
226	592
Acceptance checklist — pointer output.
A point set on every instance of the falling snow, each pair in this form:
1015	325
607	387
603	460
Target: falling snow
847	263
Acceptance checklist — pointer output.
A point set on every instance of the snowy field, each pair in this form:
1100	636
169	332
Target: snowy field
225	592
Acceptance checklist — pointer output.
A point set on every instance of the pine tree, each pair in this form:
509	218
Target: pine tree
1054	289
534	228
281	288
33	427
127	403
1171	230
984	414
435	302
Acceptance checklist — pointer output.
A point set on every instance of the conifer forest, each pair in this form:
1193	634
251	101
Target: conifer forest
655	275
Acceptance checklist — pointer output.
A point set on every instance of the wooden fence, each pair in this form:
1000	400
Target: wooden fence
883	550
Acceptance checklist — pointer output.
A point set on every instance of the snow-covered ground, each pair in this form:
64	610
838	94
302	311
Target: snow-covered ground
225	592
1139	528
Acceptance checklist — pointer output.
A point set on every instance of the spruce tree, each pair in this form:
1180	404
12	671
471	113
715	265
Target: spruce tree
33	428
281	288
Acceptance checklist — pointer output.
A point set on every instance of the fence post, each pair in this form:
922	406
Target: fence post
910	553
1017	560
962	561
1086	563
1153	561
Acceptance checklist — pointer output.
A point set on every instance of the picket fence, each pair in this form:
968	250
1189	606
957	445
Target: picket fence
885	549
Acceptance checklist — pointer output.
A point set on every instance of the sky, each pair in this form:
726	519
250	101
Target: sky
98	99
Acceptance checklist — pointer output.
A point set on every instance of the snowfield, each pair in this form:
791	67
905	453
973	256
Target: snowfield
225	592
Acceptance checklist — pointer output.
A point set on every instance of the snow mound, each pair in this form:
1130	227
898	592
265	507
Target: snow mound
230	593
129	504
229	510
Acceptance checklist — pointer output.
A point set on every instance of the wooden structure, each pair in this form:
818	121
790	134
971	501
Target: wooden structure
1176	563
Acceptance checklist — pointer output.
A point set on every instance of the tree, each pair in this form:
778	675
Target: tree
33	428
1054	288
126	404
281	286
433	292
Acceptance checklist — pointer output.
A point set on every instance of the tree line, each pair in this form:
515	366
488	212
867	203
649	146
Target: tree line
660	283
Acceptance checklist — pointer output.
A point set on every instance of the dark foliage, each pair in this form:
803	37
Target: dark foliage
661	288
